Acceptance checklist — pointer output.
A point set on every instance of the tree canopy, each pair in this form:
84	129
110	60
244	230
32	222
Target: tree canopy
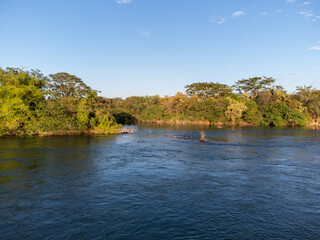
254	85
205	90
66	85
31	103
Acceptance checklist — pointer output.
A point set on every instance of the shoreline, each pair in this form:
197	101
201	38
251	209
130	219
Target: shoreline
312	125
197	123
72	133
219	124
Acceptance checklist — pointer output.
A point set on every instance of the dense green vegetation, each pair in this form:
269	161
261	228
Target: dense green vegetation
31	103
61	103
254	101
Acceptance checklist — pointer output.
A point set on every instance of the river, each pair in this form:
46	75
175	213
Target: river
162	183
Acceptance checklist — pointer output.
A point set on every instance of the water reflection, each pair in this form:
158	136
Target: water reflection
36	160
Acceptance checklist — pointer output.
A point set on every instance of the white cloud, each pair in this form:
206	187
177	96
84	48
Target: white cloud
314	69
219	19
315	48
145	34
317	17
307	13
279	11
263	13
305	3
123	1
290	1
238	14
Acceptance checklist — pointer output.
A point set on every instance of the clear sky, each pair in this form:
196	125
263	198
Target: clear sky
148	47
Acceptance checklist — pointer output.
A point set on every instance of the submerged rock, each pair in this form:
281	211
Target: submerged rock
203	139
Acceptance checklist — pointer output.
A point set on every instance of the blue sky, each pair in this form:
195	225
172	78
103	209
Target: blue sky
148	47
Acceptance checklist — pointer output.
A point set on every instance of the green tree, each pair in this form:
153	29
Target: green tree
235	109
254	85
66	85
310	98
280	114
31	103
22	99
252	114
206	90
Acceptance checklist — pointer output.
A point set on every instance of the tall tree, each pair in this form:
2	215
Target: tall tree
206	90
310	98
253	86
66	85
21	100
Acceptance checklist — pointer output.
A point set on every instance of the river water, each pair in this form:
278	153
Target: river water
162	183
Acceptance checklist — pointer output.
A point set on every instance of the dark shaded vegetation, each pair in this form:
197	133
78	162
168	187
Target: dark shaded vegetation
61	103
124	118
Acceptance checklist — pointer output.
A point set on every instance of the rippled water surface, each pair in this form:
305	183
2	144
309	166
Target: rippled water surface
162	183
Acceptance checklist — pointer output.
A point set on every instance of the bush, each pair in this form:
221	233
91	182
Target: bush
253	114
280	114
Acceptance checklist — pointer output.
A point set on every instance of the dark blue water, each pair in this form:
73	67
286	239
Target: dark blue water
162	183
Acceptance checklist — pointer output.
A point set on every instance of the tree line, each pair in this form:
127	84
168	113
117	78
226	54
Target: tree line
254	101
61	103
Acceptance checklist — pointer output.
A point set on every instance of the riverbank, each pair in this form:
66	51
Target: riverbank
199	123
75	133
313	124
310	124
217	124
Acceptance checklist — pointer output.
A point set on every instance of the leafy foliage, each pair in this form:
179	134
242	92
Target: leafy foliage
253	86
235	109
206	90
31	103
258	103
66	85
252	114
281	114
